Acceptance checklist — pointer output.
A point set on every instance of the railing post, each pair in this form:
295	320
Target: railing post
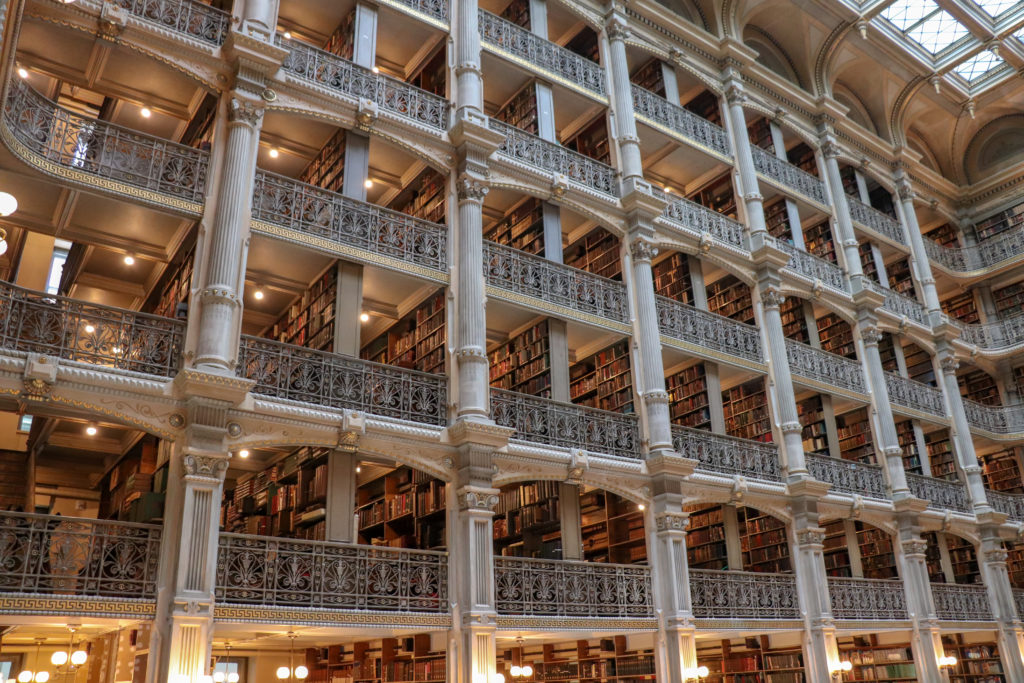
926	642
1000	596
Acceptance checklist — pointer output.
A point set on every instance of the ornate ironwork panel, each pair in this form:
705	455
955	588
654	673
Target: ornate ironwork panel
551	157
875	220
390	94
517	41
54	555
714	332
312	210
33	322
702	220
856	478
985	254
192	18
995	335
571	589
277	572
787	174
327	379
682	121
956	602
1011	504
904	307
812	268
720	594
822	366
566	425
915	395
556	283
940	494
103	149
727	454
867	599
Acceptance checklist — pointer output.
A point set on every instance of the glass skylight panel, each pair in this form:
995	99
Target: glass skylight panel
903	14
996	8
937	32
977	66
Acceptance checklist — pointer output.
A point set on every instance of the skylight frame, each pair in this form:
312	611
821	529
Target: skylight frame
928	11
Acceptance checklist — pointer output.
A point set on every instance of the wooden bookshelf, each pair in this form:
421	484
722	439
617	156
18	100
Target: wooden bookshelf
705	540
672	278
688	398
650	77
750	661
836	555
309	319
170	297
919	364
812	419
876	554
746	411
908	442
417	341
518	12
867	261
849	177
1015	563
521	109
836	336
900	278
946	235
327	169
819	241
390	660
932	558
963	307
976	662
964	560
341	41
522	227
1009	300
585	44
730	297
527	521
940	454
760	134
1000	222
523	363
597	252
424	197
880	663
433	75
603	380
854	431
705	105
402	508
592	140
1001	470
131	489
794	322
887	352
802	156
717	195
978	385
776	220
612	528
763	541
607	660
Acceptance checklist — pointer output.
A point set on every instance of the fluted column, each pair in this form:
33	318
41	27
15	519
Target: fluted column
844	223
223	270
630	162
889	442
670	573
469	86
753	201
926	642
258	18
821	654
962	440
470	351
648	340
1000	595
918	254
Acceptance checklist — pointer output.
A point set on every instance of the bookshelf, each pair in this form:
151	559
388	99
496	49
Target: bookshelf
416	341
133	488
763	541
818	241
597	252
717	195
705	539
908	442
812	418
802	156
522	227
592	140
433	75
424	197
288	499
1001	470
650	77
979	386
1015	563
964	560
881	663
746	411
327	169
399	660
849	178
887	352
946	235
794	322
518	12
940	454
402	508
836	336
612	528
607	659
341	41
585	44
1009	300
976	662
919	364
521	110
932	558
876	555
760	134
672	278
688	398
730	297
527	521
751	661
867	261
170	297
309	319
603	380
523	363
854	431
837	558
705	105
1000	222
900	278
776	220
962	307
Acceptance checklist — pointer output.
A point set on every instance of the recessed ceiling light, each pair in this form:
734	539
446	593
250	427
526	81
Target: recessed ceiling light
145	112
273	153
287	35
22	72
367	183
129	260
258	295
244	453
91	430
365	317
375	70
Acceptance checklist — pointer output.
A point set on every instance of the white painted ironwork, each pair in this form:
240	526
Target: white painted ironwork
708	330
788	175
915	395
877	221
718	594
727	454
940	493
904	307
855	478
956	602
867	599
192	18
682	121
822	366
995	335
813	268
701	220
1010	504
985	254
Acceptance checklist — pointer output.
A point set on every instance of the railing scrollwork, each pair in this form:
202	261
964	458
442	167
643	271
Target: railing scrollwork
875	220
957	602
822	366
709	330
682	121
720	594
867	599
854	478
940	494
915	395
728	455
788	175
195	19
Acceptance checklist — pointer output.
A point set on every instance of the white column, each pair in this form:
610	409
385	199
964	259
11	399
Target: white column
752	199
961	432
258	18
844	224
918	256
889	445
796	232
992	561
670	572
631	164
926	642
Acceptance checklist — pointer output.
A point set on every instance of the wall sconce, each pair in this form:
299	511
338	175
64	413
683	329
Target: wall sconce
840	668
947	661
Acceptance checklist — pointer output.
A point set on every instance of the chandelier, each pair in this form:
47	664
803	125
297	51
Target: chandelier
76	657
520	670
288	672
29	676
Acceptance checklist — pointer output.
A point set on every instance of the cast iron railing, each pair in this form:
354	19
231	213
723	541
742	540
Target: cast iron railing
956	602
709	330
985	254
192	18
788	175
718	594
904	307
940	494
701	220
813	268
995	335
682	121
867	599
854	478
728	455
1010	504
915	395
822	366
875	220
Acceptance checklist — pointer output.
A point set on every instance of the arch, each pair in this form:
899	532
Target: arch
618	485
916	143
688	10
998	145
857	110
524	186
770	54
899	109
826	56
717	255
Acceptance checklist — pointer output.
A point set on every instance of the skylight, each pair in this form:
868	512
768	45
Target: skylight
923	22
977	66
995	8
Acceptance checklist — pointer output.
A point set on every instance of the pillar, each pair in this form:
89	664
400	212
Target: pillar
961	432
925	637
631	165
820	648
676	651
258	18
792	212
918	254
992	560
889	443
844	224
753	201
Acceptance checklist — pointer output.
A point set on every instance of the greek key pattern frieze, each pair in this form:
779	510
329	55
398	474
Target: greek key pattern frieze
194	19
940	494
956	602
701	220
685	123
524	586
709	330
727	455
872	219
822	366
788	175
868	599
719	594
854	478
914	395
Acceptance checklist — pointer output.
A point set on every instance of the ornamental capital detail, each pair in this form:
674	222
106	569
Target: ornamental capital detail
996	555
484	500
949	364
772	297
617	30
642	250
734	94
914	547
813	536
830	150
905	190
244	111
207	466
871	335
671	521
471	189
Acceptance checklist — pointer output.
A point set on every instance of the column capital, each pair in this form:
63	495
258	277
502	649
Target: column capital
642	249
904	189
810	536
871	335
244	111
735	94
470	188
207	467
478	499
668	521
772	297
616	28
949	364
914	547
829	148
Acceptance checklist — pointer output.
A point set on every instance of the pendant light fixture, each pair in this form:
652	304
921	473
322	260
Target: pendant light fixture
289	672
76	657
519	669
30	676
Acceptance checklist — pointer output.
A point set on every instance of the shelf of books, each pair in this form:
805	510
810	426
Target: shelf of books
424	197
836	336
979	386
597	252
837	557
518	12
433	75
603	380
522	227
750	660
672	278
527	521
607	660
705	105
818	241
730	297
1001	222
876	555
416	341
746	411
964	560
963	307
764	542
401	508
390	660
849	177
309	319
705	539
521	109
908	442
288	499
612	528
1015	563
867	261
1009	300
585	44
854	431
650	77
523	363
882	663
940	454
133	488
169	298
919	364
688	398
592	141
812	419
932	558
1001	470
341	41
946	235
717	195
900	277
802	156
776	220
327	169
976	662
760	134
794	321
887	352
